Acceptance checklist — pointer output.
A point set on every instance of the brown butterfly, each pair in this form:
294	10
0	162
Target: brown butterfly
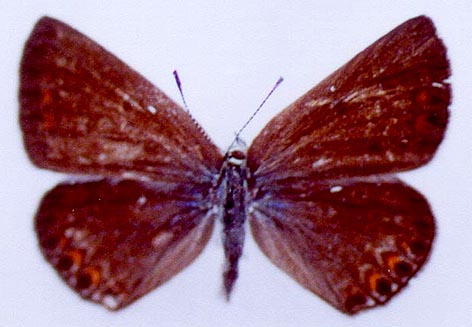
316	184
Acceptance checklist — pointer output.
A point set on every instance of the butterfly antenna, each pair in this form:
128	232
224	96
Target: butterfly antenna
279	81
179	85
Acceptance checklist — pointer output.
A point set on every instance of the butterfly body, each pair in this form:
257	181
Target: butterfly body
234	175
317	185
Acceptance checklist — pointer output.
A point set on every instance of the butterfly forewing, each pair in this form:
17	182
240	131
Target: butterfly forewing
115	241
85	111
355	243
384	111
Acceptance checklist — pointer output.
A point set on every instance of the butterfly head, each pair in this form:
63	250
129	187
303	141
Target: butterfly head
236	153
236	156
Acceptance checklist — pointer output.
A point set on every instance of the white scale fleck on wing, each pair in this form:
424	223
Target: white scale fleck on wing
67	63
126	97
336	189
133	175
390	156
111	301
75	234
321	162
382	246
121	151
61	62
361	95
96	296
102	157
84	161
318	102
63	94
161	239
141	200
152	109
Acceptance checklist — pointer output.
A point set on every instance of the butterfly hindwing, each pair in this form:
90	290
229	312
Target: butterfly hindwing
85	111
355	243
113	242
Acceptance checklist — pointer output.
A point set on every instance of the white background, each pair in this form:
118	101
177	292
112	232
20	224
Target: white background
229	54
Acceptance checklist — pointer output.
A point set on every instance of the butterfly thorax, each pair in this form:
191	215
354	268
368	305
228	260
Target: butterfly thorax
233	192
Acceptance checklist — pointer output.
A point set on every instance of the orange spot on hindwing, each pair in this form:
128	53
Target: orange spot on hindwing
46	98
49	120
89	278
76	256
94	274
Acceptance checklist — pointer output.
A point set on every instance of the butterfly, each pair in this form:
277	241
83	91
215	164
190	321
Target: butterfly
317	185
